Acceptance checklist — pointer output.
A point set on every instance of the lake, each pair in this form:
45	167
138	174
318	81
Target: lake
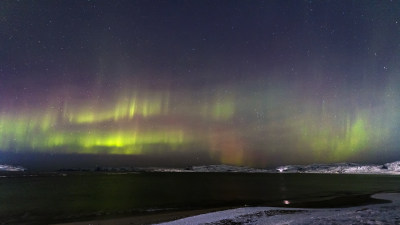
53	198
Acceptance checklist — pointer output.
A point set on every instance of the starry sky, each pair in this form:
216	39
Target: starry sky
189	82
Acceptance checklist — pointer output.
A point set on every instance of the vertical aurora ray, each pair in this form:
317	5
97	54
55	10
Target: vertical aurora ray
279	120
128	124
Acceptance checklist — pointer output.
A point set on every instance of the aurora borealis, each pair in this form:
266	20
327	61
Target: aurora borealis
237	82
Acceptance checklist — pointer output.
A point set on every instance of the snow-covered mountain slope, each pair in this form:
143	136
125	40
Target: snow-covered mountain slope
210	169
11	168
226	168
350	168
347	168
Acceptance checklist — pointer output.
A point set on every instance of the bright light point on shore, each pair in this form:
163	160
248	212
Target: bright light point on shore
286	202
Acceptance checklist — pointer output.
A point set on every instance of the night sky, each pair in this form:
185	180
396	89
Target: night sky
177	83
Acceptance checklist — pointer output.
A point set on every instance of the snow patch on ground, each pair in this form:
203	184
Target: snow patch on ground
387	213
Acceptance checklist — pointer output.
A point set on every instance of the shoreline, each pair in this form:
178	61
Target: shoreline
166	217
386	213
151	218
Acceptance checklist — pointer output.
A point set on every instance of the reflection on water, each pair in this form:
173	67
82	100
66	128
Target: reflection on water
55	198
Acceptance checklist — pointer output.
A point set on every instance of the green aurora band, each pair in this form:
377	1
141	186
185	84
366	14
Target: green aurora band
233	126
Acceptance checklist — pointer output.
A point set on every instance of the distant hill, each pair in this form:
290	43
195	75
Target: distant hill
11	168
335	168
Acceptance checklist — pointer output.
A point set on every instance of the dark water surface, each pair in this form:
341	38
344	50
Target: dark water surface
52	198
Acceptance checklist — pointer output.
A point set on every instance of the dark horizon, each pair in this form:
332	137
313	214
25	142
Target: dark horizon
179	83
40	161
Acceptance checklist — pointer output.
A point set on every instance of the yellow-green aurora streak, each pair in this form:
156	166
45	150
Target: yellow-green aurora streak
90	128
135	123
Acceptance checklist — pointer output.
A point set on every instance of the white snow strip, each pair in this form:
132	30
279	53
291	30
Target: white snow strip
11	168
388	213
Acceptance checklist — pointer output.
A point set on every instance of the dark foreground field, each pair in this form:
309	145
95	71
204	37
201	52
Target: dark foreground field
62	198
